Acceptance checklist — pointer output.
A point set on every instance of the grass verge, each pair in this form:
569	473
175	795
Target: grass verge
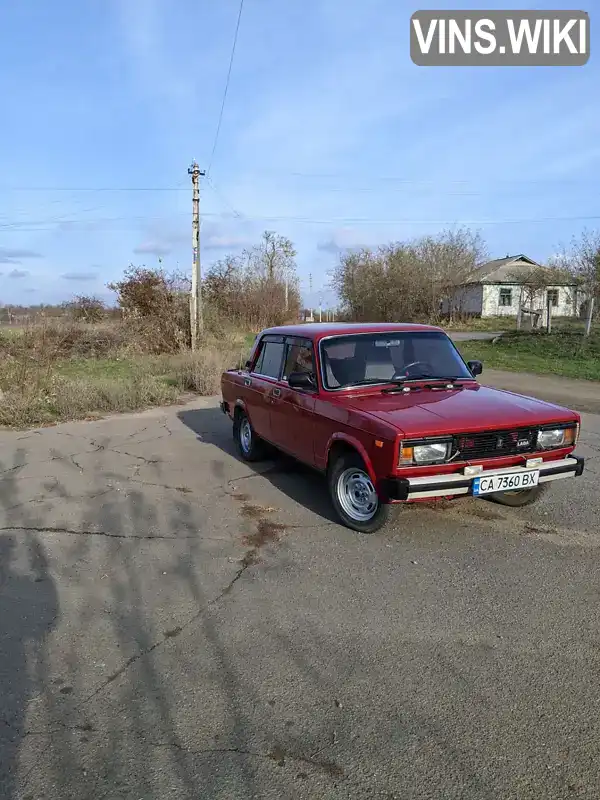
566	354
36	393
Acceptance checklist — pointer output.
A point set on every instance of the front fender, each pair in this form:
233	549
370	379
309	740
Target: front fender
356	445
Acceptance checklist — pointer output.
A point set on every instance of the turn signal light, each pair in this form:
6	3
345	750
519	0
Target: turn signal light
406	455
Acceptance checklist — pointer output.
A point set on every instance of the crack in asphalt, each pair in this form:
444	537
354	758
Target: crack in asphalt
277	754
148	461
12	469
254	474
106	534
167	636
180	489
62	457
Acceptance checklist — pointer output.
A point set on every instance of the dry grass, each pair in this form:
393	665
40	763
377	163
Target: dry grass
59	372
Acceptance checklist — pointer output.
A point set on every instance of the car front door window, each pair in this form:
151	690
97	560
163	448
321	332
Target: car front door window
299	359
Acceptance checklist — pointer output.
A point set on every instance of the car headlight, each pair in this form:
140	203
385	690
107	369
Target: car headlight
556	437
431	453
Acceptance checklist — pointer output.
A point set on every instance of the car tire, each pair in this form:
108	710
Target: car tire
354	497
249	445
520	498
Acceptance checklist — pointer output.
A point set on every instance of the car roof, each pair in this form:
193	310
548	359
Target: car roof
317	330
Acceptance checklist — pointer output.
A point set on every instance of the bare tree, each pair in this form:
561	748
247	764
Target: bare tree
406	280
447	260
258	288
582	260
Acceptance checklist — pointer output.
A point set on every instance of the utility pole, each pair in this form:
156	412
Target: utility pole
196	315
590	315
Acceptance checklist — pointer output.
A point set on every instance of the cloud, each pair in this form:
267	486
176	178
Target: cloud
18	273
152	248
79	276
224	242
339	241
214	236
329	246
13	255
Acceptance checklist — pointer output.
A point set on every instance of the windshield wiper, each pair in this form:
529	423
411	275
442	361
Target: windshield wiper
401	383
397	384
449	382
433	382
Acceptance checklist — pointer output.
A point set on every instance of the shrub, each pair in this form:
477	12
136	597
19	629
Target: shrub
85	309
155	309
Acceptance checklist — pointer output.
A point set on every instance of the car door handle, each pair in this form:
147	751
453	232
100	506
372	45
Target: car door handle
247	382
276	392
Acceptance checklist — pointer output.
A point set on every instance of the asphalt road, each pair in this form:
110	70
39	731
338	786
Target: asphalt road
177	624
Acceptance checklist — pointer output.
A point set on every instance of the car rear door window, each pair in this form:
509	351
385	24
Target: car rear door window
269	360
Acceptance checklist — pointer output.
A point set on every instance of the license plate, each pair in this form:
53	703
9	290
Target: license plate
509	482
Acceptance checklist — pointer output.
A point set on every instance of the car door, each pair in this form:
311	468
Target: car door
292	416
262	379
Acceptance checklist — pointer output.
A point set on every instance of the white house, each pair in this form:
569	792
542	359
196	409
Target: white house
497	287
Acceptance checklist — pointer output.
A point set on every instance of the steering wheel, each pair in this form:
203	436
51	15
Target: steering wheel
405	371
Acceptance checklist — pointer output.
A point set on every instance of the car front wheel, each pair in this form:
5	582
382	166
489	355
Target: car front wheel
354	496
518	499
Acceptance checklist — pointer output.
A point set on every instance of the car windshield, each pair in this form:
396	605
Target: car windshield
352	360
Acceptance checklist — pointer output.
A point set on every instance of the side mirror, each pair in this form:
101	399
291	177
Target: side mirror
247	364
301	380
476	367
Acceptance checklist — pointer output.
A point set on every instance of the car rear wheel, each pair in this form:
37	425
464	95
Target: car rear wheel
354	496
249	445
520	498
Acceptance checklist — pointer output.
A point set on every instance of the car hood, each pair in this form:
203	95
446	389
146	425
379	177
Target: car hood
437	412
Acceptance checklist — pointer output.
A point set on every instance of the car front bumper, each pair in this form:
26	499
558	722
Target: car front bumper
457	483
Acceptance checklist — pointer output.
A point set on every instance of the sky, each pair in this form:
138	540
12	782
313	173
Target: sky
330	136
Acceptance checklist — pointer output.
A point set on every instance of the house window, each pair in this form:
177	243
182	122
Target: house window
505	298
553	297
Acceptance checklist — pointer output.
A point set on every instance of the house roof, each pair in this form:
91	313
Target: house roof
506	270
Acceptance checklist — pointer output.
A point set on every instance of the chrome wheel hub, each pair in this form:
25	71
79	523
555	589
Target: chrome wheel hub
357	495
245	435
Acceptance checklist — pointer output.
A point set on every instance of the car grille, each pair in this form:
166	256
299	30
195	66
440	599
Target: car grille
492	444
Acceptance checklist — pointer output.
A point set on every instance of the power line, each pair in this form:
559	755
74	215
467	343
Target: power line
93	189
351	177
50	224
222	197
235	38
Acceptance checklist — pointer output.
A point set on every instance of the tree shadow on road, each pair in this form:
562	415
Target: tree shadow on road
107	720
299	483
28	611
